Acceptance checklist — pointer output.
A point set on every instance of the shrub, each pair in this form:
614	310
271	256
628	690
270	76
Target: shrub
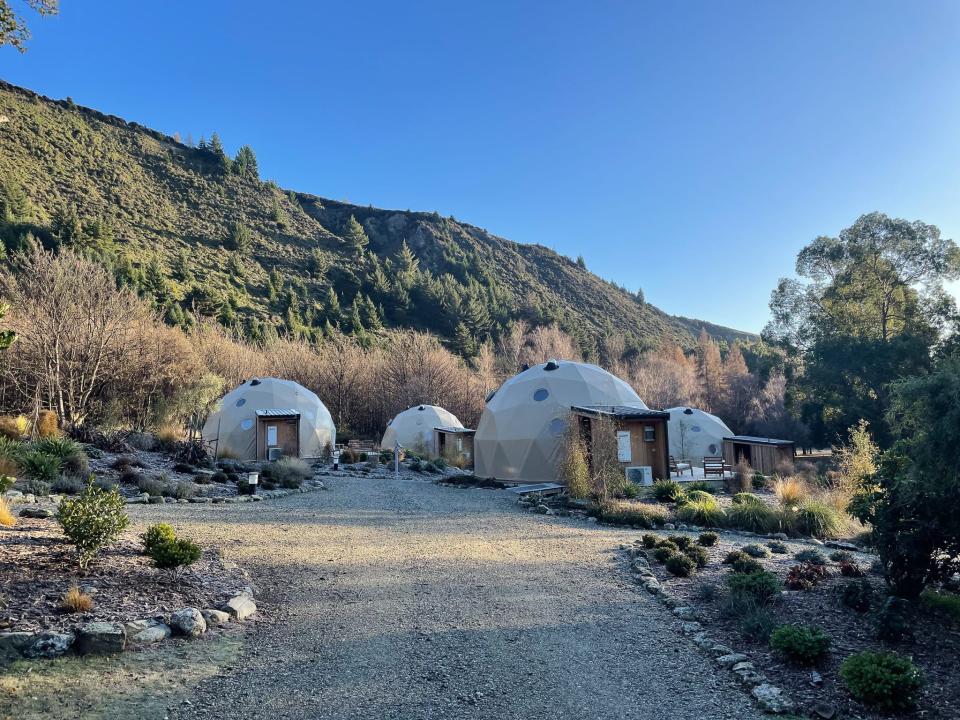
805	576
667	490
40	466
790	491
742	477
760	586
150	486
817	518
700	486
157	534
76	601
851	569
884	680
182	467
708	539
663	553
839	556
857	595
347	457
946	603
620	512
801	644
753	516
699	496
68	485
702	512
6	482
697	554
179	490
893	620
778	547
131	476
756	551
810	556
92	520
631	491
59	447
34	487
176	553
219	477
415	465
14	427
740	562
681	541
649	541
201	479
743	498
680	564
288	472
706	592
756	621
7	518
758	481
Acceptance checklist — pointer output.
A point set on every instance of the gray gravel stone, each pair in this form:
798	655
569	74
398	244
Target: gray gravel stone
772	699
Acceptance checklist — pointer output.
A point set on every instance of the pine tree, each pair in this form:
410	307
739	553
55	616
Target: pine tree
355	237
14	204
155	282
581	262
408	262
183	266
370	314
220	158
356	322
463	341
67	227
332	303
245	164
278	215
239	238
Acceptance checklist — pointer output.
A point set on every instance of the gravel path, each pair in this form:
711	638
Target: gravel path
403	599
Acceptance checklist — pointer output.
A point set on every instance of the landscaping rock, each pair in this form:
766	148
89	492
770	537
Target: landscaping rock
824	710
101	638
144	632
691	627
188	622
772	699
215	618
669	526
720	650
685	613
240	606
841	545
48	645
155	500
731	659
198	500
816	679
40	513
745	665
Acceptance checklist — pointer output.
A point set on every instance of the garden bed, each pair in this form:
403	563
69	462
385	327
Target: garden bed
934	646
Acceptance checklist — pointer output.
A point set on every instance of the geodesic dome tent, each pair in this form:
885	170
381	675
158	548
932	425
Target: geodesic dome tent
265	413
413	428
695	433
521	431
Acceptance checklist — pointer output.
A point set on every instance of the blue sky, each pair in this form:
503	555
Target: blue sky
688	148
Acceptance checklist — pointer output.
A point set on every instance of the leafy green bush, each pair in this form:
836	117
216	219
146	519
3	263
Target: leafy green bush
804	576
746	498
440	463
857	595
649	541
157	534
740	562
817	518
662	552
756	551
893	620
697	554
800	643
621	512
219	477
839	556
814	557
884	680
415	465
667	490
756	517
40	466
175	553
699	496
34	487
681	541
778	547
760	586
944	602
92	520
630	490
756	622
708	539
702	512
701	485
6	482
680	564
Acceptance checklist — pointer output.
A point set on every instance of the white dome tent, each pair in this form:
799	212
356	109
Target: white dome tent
413	428
695	433
270	416
521	430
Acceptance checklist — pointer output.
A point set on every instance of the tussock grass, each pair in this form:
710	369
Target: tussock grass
7	518
76	601
620	512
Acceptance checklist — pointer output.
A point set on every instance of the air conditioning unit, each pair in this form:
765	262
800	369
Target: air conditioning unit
274	453
640	475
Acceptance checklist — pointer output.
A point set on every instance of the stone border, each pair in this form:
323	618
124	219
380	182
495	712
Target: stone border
109	638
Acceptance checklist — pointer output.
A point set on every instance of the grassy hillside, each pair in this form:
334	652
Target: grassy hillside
181	227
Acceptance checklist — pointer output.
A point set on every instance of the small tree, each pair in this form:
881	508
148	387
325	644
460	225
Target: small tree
574	468
239	238
93	520
857	460
245	164
355	236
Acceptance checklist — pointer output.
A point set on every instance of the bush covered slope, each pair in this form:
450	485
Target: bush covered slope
184	228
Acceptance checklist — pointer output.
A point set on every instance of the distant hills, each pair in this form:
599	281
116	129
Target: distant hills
199	232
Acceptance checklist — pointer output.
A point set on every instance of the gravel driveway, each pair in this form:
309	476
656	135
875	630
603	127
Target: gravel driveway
404	599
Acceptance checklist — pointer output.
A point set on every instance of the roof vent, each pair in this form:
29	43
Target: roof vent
490	396
551	365
255	381
688	411
524	367
420	408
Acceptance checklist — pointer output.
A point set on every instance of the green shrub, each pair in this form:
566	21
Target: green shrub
680	564
883	680
857	595
667	490
415	465
150	486
649	541
179	490
157	534
702	512
131	476
664	552
220	477
817	518
6	482
756	517
805	576
760	586
801	644
756	621
851	569
67	485
201	479
814	557
40	466
745	498
697	554
175	553
11	450
440	463
620	512
756	551
778	547
59	447
944	602
708	539
92	520
893	620
699	496
701	485
758	481
839	556
288	472
34	487
630	491
740	562
681	541
348	458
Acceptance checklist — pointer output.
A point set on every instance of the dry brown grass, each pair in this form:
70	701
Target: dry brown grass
14	428
76	601
170	434
48	424
9	467
791	491
7	518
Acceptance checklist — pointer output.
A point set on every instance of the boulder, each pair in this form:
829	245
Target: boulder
156	500
48	645
841	545
144	632
772	699
13	643
188	622
101	638
215	618
731	659
40	513
240	606
685	613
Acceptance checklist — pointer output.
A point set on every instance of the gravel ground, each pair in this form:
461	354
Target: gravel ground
404	599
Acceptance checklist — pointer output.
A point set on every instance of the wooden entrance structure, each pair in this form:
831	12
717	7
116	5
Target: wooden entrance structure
450	442
641	435
763	454
278	430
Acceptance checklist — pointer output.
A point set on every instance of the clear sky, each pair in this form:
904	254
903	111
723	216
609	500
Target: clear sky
688	148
